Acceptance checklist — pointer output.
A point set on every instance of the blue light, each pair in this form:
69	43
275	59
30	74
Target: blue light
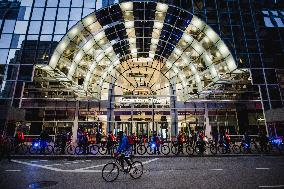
153	145
36	144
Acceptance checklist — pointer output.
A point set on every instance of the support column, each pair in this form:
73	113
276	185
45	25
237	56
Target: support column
174	116
75	123
208	128
110	108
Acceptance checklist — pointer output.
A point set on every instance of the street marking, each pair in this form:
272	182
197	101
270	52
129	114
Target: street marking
16	170
91	167
33	161
149	161
216	169
75	162
82	170
88	160
43	160
67	163
56	169
261	168
53	164
275	186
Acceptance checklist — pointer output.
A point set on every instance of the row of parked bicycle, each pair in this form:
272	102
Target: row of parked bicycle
165	148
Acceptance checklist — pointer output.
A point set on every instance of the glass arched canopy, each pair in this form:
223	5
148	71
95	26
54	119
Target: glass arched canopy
134	45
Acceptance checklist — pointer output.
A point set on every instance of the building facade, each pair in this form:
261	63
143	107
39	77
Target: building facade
142	66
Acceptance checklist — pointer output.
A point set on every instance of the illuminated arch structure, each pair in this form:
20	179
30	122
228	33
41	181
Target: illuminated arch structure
107	46
104	45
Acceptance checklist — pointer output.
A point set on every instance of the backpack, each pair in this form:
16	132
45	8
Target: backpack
130	140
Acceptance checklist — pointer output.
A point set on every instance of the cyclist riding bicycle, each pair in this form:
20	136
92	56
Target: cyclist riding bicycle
124	149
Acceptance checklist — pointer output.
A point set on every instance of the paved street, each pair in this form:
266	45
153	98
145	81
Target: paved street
175	172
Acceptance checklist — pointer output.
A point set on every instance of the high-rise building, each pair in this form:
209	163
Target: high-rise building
142	66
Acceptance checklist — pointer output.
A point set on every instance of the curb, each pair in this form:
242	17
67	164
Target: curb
75	157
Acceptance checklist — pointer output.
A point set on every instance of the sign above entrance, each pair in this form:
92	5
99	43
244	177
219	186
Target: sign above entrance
143	101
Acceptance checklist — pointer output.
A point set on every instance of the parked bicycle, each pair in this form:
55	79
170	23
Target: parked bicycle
40	147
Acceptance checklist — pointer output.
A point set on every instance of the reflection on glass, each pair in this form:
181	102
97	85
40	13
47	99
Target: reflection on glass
47	27
75	14
52	3
24	13
5	40
50	14
60	27
37	13
4	54
77	3
21	27
63	14
9	26
34	27
64	3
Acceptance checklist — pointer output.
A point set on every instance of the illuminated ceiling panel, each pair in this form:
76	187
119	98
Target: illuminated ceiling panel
136	35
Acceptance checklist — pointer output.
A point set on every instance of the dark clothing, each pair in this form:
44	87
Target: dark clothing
5	148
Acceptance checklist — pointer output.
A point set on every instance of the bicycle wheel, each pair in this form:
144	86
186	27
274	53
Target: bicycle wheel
165	149
110	172
253	147
213	149
150	150
57	150
136	170
22	149
222	149
236	149
94	149
175	150
141	149
48	150
79	150
33	150
189	150
70	149
103	150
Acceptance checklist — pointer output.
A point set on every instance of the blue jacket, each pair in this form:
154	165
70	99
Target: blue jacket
124	145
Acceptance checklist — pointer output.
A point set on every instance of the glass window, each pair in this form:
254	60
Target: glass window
71	23
27	3
90	3
4	54
34	27
11	57
62	14
87	12
99	4
17	41
40	3
32	37
75	14
45	37
274	92
24	13
5	40
47	27
9	26
37	13
60	27
77	3
50	14
57	37
64	3
21	27
52	3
